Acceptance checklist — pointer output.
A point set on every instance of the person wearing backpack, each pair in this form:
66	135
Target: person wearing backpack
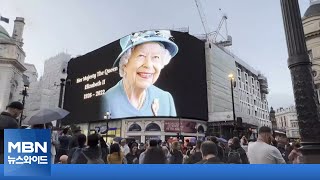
75	155
93	153
237	155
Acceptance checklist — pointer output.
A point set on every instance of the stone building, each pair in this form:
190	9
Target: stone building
311	20
287	121
15	73
55	68
250	93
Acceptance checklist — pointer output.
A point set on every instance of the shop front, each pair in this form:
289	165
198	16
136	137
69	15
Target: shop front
162	128
143	129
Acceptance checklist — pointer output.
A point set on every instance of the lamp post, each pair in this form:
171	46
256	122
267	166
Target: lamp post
24	94
302	82
235	132
107	117
62	84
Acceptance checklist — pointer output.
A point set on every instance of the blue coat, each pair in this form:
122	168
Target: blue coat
116	102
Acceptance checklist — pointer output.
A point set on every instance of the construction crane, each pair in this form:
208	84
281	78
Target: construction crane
203	18
209	37
226	42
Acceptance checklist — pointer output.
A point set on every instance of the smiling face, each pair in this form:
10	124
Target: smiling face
144	65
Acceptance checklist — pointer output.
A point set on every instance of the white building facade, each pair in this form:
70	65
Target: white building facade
250	92
14	72
32	100
287	120
55	68
311	20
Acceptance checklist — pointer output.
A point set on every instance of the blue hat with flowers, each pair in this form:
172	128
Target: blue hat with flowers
134	39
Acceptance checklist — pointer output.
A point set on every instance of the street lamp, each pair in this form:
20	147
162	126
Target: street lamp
24	94
62	84
235	133
107	117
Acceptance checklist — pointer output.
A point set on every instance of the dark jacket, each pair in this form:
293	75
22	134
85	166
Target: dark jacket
130	157
283	152
196	157
176	157
73	142
104	149
213	160
80	159
242	152
93	153
63	146
6	122
220	152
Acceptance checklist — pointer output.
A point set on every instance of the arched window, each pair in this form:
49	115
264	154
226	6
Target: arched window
135	127
153	127
200	129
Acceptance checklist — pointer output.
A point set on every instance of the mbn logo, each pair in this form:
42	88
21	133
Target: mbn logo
27	147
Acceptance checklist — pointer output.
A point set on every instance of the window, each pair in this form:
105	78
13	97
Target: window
134	127
239	82
153	127
200	129
310	54
314	73
285	122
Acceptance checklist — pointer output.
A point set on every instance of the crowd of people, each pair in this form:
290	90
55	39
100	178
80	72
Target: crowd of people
93	149
76	148
79	149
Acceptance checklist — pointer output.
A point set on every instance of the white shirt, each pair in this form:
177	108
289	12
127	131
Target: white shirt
263	153
125	150
141	157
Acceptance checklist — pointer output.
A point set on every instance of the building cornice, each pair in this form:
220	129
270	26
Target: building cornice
14	62
309	35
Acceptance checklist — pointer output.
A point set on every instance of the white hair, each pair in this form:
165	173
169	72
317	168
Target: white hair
125	58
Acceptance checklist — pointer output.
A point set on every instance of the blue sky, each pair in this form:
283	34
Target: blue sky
79	26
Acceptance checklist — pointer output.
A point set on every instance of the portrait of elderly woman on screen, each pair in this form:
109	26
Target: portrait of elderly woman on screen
144	55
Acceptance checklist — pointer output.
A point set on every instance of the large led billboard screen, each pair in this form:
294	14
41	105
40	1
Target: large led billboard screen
148	73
